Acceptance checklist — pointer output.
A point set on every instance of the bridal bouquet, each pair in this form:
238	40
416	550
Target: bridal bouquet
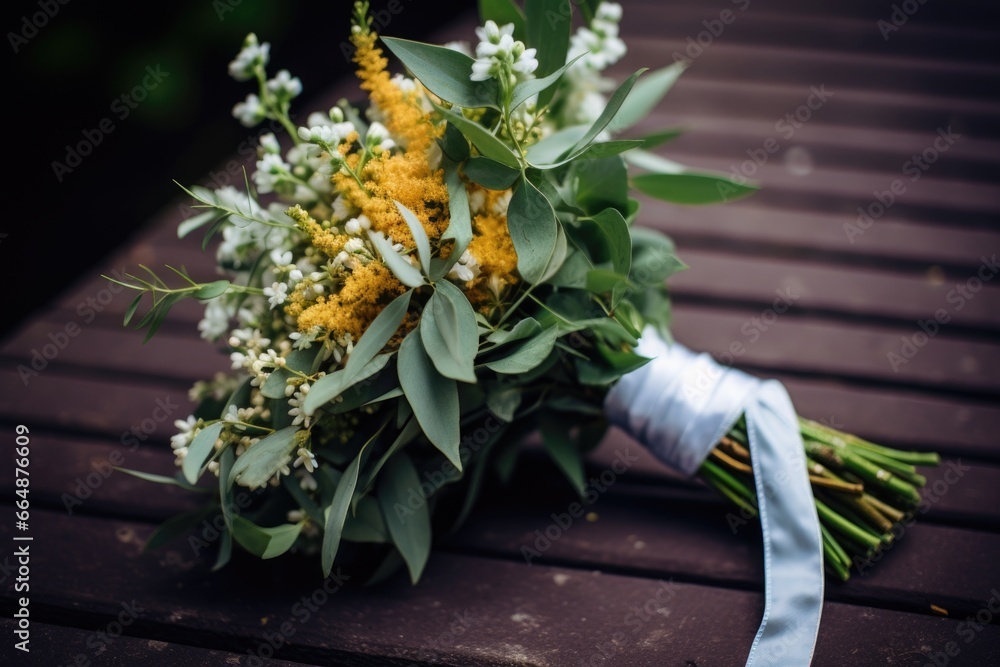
413	287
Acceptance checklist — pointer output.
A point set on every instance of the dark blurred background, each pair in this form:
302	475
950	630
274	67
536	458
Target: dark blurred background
67	64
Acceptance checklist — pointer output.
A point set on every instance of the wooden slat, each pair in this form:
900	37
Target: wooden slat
649	532
59	645
750	227
847	350
876	293
506	613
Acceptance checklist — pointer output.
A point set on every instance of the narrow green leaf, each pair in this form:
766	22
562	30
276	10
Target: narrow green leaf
407	274
559	445
614	104
449	333
419	237
212	290
433	397
163	479
490	174
130	311
691	189
534	231
265	542
503	12
336	514
646	95
527	355
410	528
200	449
549	23
193	223
257	465
213	229
445	72
659	138
481	138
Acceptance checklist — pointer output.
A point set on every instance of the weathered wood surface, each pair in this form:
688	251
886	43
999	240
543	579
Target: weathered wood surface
590	598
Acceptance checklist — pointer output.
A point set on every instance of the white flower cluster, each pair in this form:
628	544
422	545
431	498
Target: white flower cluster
500	56
599	43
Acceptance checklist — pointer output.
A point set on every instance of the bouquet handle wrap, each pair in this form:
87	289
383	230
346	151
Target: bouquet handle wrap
679	406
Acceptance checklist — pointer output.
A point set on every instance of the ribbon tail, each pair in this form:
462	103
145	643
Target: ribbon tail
793	548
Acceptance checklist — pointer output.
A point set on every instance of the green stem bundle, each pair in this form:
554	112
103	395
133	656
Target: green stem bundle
862	490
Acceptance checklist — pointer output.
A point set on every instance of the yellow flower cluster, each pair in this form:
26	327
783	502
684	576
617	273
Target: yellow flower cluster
406	177
494	250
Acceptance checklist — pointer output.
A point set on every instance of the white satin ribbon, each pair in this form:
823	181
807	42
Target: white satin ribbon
679	406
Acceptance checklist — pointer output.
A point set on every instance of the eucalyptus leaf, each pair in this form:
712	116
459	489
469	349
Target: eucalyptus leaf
601	184
337	383
646	95
367	523
490	174
488	145
265	542
409	527
257	465
527	355
534	231
274	385
691	188
449	333
562	449
336	514
549	23
419	237
378	333
504	402
460	223
503	12
454	144
407	274
445	72
525	327
556	145
619	239
433	397
655	163
199	451
614	104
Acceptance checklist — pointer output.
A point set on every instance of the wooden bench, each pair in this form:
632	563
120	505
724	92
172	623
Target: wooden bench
655	573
